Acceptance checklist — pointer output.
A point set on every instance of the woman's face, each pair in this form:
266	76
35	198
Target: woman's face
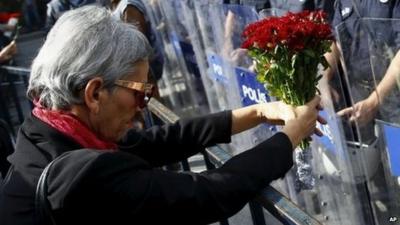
118	109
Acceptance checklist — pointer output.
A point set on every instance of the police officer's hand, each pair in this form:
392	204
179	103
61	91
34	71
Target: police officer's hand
304	124
362	112
8	52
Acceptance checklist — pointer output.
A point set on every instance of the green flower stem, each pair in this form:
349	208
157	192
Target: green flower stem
304	144
290	76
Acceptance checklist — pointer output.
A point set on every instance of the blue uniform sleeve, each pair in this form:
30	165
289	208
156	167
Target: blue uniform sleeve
396	24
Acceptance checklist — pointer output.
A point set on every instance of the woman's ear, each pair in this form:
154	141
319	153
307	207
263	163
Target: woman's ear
93	94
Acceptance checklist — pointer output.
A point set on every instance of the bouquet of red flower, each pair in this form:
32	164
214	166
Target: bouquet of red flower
287	51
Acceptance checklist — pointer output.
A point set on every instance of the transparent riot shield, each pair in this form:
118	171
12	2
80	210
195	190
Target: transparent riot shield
389	134
202	30
227	64
371	110
335	199
181	83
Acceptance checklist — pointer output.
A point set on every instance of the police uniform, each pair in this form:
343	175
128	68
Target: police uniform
354	25
288	5
258	4
293	5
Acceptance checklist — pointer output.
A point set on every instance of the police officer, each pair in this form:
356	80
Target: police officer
368	38
366	43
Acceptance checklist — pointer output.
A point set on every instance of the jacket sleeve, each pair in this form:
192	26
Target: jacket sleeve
157	196
161	145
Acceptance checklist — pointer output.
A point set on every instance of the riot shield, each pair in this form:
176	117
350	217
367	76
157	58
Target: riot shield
370	117
181	85
227	64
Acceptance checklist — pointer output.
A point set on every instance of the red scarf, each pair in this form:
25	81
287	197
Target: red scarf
72	127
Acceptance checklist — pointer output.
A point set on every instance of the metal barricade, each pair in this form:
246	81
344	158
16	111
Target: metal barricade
13	103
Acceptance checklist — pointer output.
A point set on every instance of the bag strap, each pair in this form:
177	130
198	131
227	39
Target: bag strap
43	211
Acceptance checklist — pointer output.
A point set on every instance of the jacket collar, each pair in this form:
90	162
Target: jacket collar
35	134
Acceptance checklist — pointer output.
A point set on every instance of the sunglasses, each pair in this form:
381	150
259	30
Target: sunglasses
142	91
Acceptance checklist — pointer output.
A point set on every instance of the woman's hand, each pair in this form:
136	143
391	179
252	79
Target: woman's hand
304	124
276	113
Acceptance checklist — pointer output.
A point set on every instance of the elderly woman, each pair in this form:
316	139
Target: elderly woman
87	82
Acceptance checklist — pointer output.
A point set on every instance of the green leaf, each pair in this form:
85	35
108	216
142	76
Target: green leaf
306	60
309	53
318	78
324	63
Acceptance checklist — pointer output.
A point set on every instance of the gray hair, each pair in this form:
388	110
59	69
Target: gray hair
84	43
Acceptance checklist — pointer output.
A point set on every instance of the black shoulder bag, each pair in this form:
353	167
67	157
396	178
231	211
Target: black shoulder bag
43	211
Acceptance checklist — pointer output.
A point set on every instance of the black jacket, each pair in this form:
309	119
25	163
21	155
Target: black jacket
125	187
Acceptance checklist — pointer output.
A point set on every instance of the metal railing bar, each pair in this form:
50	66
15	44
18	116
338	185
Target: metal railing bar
3	84
17	70
257	213
161	111
281	207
